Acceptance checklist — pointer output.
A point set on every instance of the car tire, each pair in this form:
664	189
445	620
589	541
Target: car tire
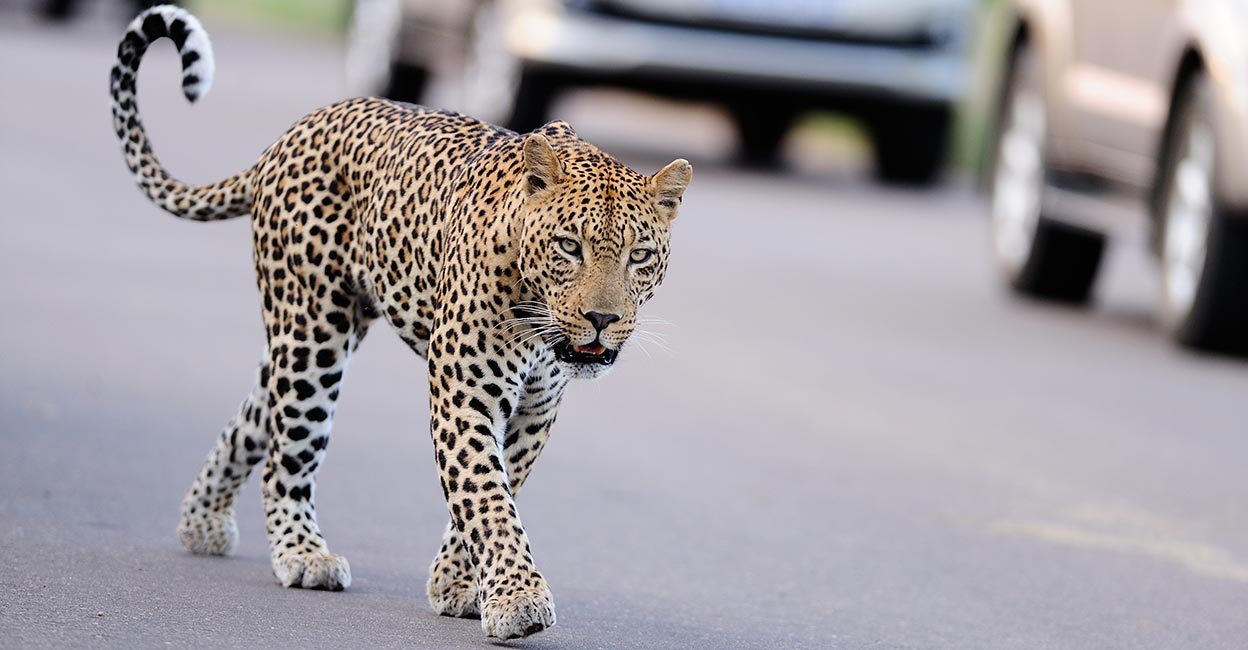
498	87
1039	256
531	106
910	142
1203	246
407	82
370	62
760	133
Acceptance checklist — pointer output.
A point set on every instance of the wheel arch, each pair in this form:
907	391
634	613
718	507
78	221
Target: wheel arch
1191	64
1020	33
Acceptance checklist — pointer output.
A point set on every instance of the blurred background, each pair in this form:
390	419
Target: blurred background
958	308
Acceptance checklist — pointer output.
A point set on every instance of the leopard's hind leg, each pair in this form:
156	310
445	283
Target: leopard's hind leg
308	365
207	524
452	586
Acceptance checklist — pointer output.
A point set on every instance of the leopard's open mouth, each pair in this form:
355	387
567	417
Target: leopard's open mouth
591	353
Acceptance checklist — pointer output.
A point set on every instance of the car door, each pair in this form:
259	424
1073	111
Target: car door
1117	103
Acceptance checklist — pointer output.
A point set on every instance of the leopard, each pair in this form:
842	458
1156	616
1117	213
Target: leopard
512	263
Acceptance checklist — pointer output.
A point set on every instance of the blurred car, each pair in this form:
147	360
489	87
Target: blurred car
65	9
1114	110
898	65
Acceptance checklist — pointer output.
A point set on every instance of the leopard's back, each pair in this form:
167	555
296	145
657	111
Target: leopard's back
362	190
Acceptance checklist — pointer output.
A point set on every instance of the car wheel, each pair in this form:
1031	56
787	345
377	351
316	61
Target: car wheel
407	83
531	105
372	47
1039	256
498	88
909	142
1204	248
760	132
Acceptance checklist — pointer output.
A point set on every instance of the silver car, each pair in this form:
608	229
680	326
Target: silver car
899	65
1115	111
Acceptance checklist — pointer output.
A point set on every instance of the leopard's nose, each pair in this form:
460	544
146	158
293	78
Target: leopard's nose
600	320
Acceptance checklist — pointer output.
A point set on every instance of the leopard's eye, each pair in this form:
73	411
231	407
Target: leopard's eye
569	246
640	255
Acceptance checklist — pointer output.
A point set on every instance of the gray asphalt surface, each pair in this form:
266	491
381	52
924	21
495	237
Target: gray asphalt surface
857	441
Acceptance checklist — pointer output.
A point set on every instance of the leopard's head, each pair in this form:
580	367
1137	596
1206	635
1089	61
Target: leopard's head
594	247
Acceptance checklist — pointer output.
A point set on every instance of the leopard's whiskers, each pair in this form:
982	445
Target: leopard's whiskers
538	334
655	338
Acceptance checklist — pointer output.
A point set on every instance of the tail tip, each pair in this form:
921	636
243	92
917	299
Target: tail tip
191	39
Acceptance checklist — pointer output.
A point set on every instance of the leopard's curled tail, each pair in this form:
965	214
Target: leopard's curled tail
223	200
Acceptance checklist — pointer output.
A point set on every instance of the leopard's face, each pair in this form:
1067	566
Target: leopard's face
595	248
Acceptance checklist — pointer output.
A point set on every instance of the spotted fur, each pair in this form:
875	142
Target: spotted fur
510	262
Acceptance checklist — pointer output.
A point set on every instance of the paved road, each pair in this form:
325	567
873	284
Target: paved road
857	441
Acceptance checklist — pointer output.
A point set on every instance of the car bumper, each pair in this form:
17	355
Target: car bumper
593	45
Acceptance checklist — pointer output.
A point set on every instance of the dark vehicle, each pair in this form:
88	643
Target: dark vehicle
899	66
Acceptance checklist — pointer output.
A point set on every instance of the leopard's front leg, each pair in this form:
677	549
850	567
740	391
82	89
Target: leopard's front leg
452	586
471	406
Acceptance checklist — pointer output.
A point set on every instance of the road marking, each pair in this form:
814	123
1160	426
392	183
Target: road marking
1150	540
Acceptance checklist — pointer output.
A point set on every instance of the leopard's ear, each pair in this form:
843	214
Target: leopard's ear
541	166
670	183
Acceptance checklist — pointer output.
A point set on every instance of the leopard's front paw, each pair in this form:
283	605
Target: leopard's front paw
313	570
454	597
512	613
208	533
